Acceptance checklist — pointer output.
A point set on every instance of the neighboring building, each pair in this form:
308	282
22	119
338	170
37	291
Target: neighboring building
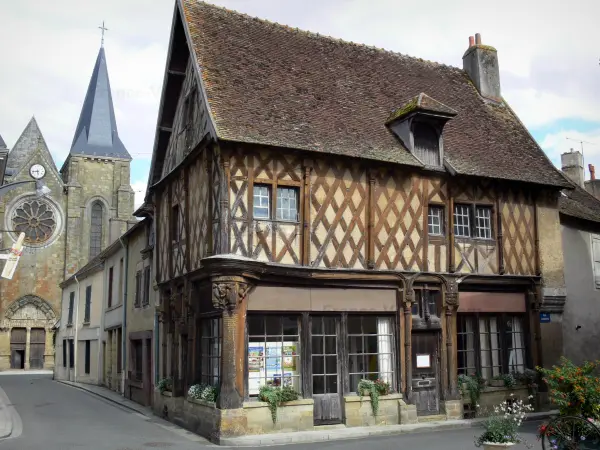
89	205
81	323
580	224
140	317
93	316
327	212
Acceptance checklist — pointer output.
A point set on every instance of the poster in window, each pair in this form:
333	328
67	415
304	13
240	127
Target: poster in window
289	356
256	359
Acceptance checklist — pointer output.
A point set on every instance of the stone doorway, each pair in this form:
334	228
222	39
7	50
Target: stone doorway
37	347
18	343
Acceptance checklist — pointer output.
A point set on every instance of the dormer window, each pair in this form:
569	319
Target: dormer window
419	125
427	144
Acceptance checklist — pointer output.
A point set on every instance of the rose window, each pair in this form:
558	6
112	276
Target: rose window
36	218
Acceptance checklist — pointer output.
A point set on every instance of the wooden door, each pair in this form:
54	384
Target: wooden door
425	372
37	347
18	341
326	379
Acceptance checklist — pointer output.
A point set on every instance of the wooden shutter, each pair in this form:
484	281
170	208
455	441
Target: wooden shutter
88	301
71	303
596	257
87	356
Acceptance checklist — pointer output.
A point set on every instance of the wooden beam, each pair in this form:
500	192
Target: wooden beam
371	221
177	73
165	129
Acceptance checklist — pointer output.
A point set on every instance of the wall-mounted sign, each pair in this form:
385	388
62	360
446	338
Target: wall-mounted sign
423	361
545	318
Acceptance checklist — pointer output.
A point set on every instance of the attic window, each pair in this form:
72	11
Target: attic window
427	144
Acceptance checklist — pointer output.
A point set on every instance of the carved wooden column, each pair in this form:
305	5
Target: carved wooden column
306	214
451	300
229	296
224	206
451	255
409	299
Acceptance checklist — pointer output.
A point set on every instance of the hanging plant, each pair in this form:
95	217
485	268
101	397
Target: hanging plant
274	396
370	387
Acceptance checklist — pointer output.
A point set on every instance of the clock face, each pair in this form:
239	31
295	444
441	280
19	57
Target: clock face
37	171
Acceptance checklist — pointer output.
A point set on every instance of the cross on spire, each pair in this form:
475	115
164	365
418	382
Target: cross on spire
103	28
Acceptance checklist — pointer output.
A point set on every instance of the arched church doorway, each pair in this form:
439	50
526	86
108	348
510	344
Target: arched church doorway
37	347
18	342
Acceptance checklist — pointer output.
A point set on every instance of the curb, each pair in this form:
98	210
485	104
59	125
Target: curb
364	432
105	397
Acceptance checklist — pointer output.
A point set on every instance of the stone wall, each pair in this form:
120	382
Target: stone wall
493	396
359	412
291	416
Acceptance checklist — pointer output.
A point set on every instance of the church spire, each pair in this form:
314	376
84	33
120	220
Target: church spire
96	133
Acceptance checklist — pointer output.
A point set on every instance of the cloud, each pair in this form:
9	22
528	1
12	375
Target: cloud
139	188
562	141
547	52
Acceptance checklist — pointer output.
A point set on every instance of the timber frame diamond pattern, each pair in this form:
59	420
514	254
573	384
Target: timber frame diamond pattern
302	246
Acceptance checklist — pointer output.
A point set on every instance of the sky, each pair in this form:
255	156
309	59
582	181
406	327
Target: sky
548	51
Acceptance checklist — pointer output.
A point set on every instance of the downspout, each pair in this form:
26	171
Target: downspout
156	347
124	325
76	343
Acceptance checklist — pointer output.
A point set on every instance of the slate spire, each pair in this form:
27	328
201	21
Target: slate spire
2	143
96	133
30	141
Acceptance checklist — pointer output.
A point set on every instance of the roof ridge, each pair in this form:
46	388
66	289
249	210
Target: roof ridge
316	35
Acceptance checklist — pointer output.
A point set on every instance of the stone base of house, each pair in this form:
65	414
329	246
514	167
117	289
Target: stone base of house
205	419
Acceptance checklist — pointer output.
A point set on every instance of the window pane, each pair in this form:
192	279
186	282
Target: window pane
462	222
273	352
286	203
370	353
210	351
483	222
317	345
515	344
318	384
261	204
435	220
318	365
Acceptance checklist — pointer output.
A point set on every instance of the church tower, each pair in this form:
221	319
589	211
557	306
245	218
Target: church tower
96	175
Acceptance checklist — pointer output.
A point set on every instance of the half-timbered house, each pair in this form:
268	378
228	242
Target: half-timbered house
328	212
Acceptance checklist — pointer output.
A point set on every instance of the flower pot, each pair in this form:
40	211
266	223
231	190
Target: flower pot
495	446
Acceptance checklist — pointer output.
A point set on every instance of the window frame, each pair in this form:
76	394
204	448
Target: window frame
174	223
137	301
71	307
473	226
205	366
442	217
146	287
305	351
96	228
88	304
503	333
595	240
274	190
111	275
71	353
88	357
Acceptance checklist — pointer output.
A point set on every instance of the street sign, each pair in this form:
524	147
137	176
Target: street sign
13	258
545	318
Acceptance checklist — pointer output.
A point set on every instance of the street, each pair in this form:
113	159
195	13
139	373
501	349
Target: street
55	416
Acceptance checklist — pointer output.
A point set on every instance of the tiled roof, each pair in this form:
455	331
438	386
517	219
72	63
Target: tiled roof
274	85
580	204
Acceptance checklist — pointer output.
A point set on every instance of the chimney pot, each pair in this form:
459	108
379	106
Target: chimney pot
477	39
471	41
592	171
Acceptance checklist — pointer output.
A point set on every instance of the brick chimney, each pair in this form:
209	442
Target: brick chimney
481	64
572	166
592	185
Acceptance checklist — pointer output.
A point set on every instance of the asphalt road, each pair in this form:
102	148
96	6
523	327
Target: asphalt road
55	416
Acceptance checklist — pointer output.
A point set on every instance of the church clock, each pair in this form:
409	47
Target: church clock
37	171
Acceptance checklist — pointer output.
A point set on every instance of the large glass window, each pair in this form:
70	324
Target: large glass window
210	350
287	204
261	207
273	352
490	345
435	220
370	349
483	222
462	222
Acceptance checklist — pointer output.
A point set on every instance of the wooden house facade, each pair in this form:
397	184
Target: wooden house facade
328	212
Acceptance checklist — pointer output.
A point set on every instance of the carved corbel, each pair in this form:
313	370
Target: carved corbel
229	292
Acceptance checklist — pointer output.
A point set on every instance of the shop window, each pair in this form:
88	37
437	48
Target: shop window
370	349
490	345
210	350
273	352
427	302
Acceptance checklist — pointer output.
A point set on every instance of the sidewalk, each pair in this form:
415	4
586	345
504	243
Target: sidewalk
296	437
341	433
111	396
6	423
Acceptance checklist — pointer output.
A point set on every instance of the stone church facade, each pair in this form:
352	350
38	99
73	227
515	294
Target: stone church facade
90	205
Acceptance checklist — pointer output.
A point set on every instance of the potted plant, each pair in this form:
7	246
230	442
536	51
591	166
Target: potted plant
274	396
502	426
373	389
471	386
